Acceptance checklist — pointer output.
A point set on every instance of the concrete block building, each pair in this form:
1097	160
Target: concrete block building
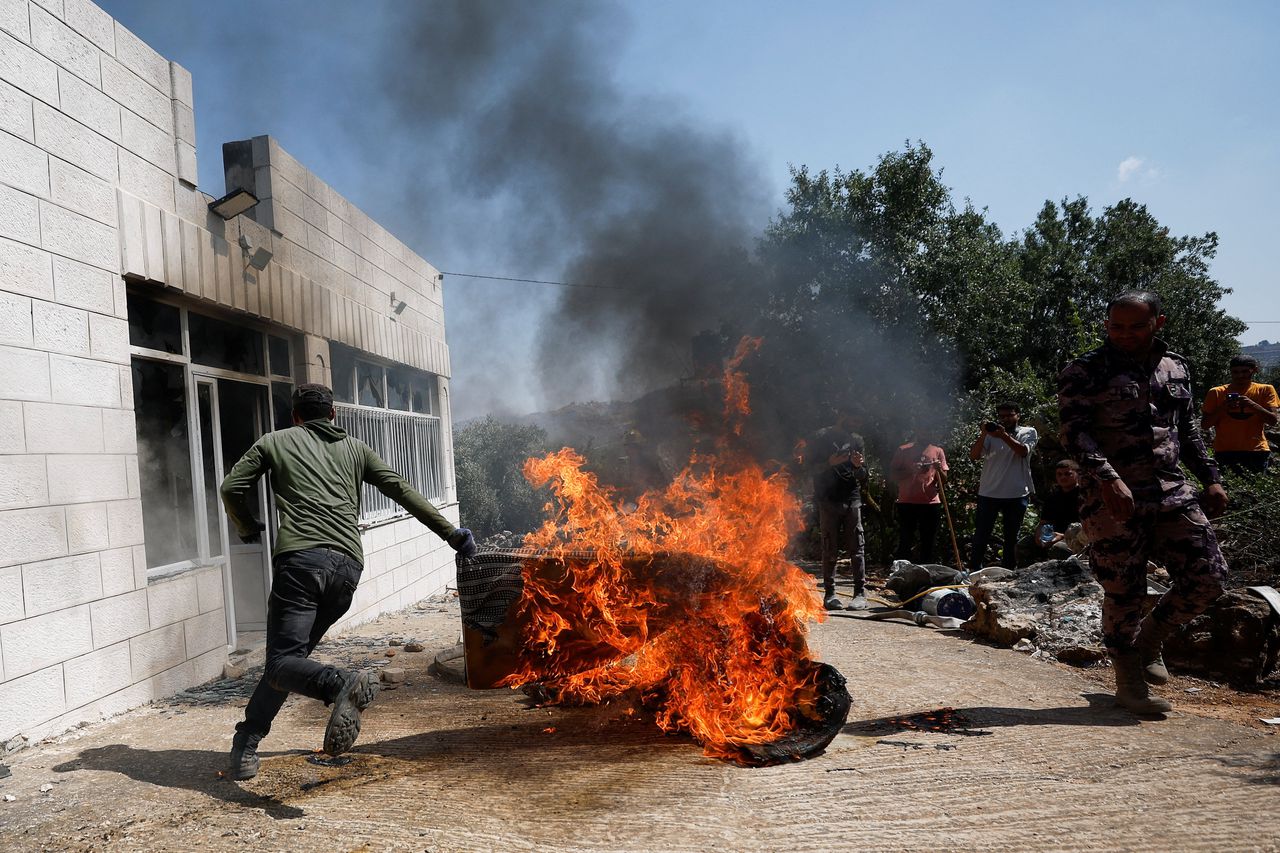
146	340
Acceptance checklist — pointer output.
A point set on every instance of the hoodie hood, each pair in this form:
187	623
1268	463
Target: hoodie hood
326	429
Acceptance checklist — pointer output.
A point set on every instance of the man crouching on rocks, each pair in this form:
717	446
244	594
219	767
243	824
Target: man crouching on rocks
316	472
1128	419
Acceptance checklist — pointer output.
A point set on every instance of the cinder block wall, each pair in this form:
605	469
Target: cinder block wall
97	185
85	107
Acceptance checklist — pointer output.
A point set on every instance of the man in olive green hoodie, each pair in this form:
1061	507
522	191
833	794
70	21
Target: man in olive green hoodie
316	472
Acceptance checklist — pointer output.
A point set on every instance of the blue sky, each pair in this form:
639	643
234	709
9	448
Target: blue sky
1173	104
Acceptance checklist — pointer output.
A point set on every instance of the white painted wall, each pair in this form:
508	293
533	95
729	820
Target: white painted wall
97	183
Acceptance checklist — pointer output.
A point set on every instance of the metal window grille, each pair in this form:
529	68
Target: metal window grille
409	443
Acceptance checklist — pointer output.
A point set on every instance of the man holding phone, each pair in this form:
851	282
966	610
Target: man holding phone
1239	413
1005	488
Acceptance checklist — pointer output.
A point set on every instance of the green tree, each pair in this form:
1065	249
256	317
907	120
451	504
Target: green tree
493	494
1075	263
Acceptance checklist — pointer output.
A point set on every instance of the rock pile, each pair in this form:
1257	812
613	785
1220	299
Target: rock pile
1054	609
1056	606
1236	640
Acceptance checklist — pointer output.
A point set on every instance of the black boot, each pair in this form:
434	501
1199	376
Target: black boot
355	694
1150	644
244	756
1131	688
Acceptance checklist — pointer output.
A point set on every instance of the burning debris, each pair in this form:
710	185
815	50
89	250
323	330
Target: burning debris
686	603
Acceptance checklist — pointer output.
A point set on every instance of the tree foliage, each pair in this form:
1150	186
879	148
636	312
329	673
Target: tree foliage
493	494
884	267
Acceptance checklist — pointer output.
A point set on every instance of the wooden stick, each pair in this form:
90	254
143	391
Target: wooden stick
955	545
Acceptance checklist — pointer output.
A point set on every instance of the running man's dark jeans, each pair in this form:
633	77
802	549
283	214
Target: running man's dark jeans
311	590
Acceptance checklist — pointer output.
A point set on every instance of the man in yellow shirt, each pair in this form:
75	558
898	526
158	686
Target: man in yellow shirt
1239	412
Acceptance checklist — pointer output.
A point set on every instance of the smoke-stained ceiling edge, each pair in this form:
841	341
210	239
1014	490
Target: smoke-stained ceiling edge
330	260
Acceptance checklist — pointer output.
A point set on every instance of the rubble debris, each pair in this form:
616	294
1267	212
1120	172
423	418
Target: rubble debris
1236	639
395	641
391	675
1082	655
1055	605
392	652
414	646
231	672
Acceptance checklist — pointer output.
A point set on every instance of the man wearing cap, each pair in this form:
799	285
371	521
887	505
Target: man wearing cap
316	472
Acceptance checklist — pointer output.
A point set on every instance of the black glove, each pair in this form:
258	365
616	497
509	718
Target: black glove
255	535
463	542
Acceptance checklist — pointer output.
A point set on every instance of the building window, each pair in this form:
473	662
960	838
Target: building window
164	462
396	411
183	362
226	345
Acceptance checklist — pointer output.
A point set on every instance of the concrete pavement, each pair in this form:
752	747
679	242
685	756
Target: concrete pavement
1043	762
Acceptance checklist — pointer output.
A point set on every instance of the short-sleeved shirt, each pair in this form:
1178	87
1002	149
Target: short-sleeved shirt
1240	430
1005	474
917	485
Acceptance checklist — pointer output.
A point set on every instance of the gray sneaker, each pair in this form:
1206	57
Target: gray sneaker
859	601
353	697
833	602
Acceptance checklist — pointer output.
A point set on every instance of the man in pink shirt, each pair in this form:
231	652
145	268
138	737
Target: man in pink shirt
920	469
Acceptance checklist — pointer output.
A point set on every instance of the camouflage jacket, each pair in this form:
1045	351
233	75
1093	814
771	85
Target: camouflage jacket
1134	420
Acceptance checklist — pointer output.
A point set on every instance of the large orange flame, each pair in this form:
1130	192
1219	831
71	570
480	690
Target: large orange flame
714	634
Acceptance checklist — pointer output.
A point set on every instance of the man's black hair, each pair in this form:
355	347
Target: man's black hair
1007	406
1069	463
1244	361
312	401
1137	297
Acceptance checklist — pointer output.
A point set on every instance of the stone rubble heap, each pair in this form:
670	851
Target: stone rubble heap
1053	610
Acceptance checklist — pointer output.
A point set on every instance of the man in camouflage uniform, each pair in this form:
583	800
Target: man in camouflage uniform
1127	418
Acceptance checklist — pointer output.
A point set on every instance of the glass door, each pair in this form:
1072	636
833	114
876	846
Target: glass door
232	416
242	420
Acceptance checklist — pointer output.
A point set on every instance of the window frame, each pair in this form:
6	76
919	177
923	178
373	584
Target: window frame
192	372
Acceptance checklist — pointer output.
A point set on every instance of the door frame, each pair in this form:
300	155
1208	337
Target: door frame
210	376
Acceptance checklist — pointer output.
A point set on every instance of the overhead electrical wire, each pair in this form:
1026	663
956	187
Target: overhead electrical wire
534	281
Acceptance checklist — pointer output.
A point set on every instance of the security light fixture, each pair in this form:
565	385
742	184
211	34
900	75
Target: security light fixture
233	203
397	306
257	258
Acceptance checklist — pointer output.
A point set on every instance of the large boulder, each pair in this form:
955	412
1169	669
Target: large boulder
1236	640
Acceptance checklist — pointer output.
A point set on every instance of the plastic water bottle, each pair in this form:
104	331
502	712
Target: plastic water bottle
1046	533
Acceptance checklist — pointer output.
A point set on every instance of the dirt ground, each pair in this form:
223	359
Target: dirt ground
1037	759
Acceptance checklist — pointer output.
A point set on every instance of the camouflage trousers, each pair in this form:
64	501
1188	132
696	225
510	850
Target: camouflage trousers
1179	538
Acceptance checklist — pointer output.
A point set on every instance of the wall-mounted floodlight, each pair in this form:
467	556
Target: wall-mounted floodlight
257	258
397	306
233	203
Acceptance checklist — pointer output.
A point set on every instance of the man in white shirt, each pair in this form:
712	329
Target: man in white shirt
1005	488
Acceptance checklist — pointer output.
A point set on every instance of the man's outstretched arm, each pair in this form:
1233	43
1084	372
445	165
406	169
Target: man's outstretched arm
235	491
384	478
